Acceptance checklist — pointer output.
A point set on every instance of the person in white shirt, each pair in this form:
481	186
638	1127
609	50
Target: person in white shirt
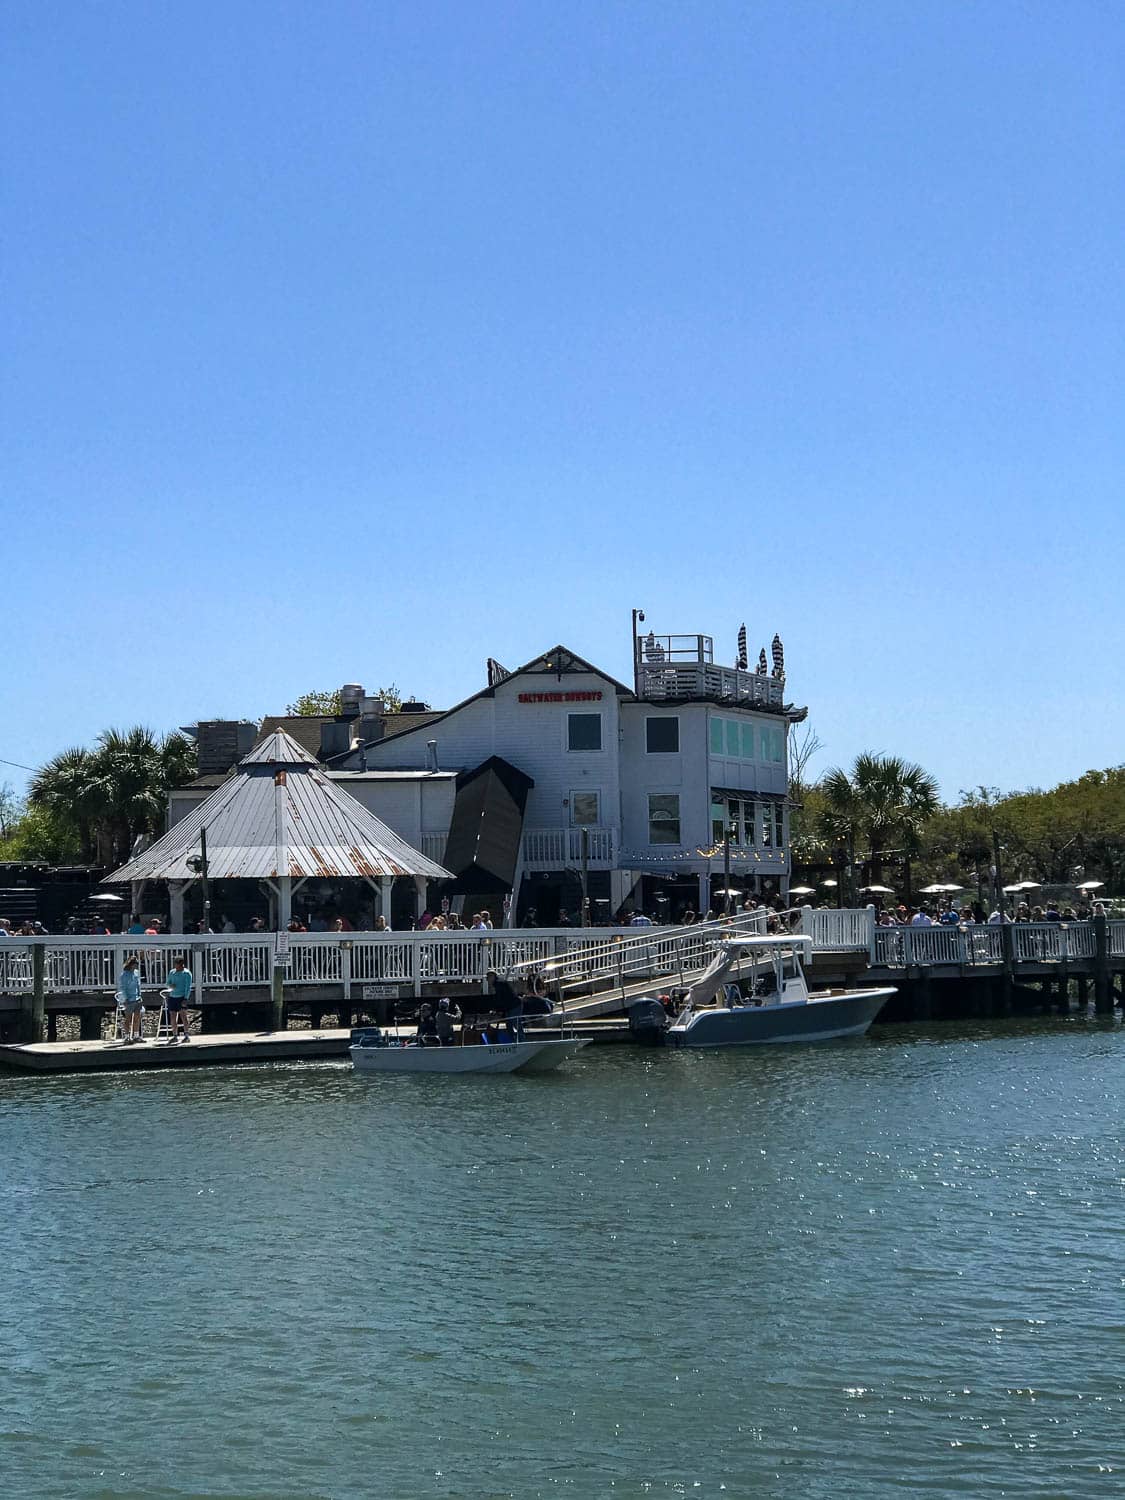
921	918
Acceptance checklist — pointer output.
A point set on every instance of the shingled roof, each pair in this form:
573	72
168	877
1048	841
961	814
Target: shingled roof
279	815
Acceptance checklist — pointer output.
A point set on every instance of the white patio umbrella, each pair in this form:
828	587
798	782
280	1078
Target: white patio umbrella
828	882
932	890
108	898
1090	885
879	890
802	890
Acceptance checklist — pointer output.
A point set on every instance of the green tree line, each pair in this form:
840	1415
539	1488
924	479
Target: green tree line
884	817
88	806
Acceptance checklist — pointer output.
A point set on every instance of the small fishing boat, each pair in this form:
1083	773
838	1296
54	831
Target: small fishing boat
374	1052
755	991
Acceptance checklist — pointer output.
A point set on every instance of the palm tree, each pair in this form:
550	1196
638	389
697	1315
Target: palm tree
111	794
884	800
69	787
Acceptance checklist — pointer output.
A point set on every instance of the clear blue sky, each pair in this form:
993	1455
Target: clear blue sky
366	340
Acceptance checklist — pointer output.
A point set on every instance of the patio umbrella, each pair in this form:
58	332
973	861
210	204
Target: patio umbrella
1090	885
802	890
108	898
828	882
952	888
933	890
879	890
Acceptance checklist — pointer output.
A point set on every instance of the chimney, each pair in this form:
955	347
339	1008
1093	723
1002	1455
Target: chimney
335	738
371	727
221	743
351	700
431	752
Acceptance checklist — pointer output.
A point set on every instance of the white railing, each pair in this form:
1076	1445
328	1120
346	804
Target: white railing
577	955
982	945
668	679
838	931
561	848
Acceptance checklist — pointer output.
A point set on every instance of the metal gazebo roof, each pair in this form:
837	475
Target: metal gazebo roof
279	816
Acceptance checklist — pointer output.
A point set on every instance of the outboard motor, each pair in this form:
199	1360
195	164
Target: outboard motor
647	1020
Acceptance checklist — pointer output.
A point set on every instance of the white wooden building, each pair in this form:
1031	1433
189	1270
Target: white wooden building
558	773
638	784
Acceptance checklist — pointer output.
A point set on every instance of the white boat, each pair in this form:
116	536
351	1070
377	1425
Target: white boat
732	1006
374	1053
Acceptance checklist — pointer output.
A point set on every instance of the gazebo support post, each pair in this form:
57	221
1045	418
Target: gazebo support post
386	886
421	885
176	889
284	902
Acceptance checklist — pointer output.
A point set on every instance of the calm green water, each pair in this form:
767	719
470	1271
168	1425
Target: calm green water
859	1270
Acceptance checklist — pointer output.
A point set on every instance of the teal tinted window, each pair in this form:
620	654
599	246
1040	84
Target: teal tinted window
716	736
747	742
734	738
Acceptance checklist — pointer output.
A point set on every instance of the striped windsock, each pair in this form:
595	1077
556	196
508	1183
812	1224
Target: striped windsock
778	657
743	660
762	667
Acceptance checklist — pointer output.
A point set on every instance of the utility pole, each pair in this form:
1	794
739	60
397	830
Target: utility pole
584	835
203	880
999	872
726	872
638	619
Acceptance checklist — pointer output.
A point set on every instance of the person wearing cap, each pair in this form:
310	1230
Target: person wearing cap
446	1019
129	995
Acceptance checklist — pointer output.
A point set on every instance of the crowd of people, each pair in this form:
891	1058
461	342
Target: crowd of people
949	915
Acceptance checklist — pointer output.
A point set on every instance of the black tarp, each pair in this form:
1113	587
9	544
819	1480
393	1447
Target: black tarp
484	833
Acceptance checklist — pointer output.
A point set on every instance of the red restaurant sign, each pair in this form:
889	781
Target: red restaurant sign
593	697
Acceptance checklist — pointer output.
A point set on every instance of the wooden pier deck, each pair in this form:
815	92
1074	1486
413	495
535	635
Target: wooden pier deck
213	1050
223	1049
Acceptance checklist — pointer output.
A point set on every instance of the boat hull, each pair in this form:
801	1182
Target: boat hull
504	1057
813	1020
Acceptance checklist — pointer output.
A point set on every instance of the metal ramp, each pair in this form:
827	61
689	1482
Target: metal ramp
601	978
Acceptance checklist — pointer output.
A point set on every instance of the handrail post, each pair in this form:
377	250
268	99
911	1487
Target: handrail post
415	966
33	1004
1103	991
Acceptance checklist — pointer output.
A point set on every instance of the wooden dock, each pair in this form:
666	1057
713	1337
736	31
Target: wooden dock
202	1051
222	1049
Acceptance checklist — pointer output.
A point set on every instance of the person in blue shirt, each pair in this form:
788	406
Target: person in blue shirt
129	991
136	926
179	993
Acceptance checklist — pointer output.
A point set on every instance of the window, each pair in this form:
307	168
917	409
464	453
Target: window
736	816
718	819
773	743
737	739
734	819
584	809
664	818
773	825
662	736
583	731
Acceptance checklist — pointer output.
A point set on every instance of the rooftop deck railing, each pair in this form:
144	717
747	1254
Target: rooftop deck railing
686	680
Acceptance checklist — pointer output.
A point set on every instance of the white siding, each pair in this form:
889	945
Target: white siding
532	737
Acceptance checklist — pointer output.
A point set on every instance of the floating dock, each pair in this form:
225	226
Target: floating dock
223	1048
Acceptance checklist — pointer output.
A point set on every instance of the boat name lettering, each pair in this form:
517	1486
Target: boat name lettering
589	697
